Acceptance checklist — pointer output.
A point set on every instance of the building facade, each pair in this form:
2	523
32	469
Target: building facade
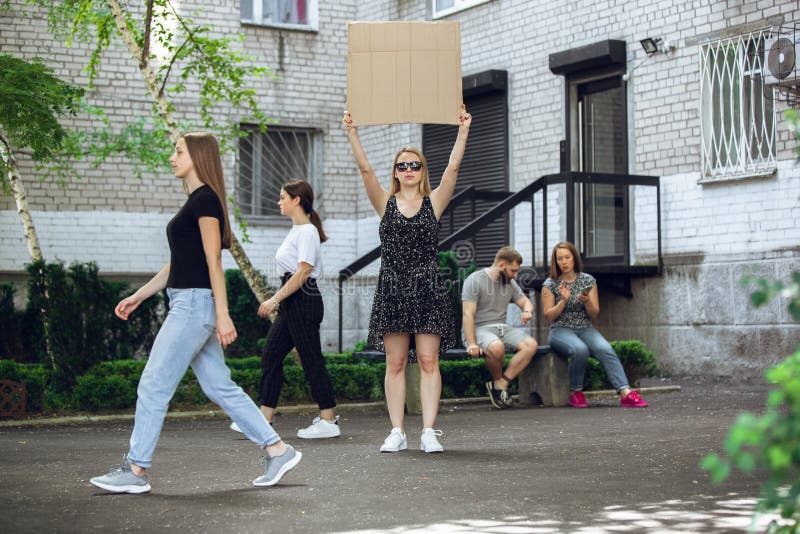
553	86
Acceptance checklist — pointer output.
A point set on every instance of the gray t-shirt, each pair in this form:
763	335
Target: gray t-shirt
491	296
574	315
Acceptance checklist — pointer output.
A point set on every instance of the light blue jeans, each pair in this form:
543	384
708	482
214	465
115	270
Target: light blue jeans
186	338
578	344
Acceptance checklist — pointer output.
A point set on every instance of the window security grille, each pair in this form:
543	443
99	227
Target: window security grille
737	113
267	160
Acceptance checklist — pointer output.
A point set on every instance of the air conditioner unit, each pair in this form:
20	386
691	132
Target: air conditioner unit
781	58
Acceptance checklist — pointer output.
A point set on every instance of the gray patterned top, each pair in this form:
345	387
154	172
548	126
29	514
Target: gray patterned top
574	315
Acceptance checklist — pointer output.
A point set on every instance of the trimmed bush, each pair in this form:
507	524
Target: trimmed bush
637	361
108	386
112	385
83	327
454	275
11	345
243	307
36	378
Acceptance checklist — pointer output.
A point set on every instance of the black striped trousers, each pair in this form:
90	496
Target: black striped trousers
297	325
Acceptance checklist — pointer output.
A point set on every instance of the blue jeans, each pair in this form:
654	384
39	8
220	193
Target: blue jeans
578	344
186	338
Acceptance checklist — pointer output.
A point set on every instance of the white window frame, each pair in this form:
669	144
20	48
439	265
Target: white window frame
256	18
458	5
256	209
737	140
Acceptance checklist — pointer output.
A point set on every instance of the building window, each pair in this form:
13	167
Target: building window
267	160
737	113
291	14
442	8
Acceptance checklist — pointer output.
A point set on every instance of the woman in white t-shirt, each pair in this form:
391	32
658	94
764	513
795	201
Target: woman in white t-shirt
300	310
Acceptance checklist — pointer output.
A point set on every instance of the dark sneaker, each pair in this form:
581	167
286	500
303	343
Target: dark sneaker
500	397
632	400
277	466
577	400
122	480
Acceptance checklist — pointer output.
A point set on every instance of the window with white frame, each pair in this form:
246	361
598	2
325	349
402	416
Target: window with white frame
442	8
267	160
737	112
292	14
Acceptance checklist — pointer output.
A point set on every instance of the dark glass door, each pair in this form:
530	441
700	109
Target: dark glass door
603	147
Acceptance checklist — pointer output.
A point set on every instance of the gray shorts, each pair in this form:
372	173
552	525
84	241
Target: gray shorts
510	336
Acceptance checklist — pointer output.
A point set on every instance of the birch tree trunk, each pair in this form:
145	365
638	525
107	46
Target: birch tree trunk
32	239
164	110
21	198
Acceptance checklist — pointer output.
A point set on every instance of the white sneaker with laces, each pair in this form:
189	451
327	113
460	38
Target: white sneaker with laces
321	428
237	428
428	441
395	441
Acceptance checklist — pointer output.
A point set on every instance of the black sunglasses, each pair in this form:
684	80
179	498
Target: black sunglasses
405	165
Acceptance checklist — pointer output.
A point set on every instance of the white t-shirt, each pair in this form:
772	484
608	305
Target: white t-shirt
302	244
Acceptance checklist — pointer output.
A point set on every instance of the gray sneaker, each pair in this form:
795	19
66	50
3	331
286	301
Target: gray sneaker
277	466
122	480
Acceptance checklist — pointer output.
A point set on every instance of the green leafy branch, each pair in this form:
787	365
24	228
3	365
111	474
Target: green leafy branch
770	442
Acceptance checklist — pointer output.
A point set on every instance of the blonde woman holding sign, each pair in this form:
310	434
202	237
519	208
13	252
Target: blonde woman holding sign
411	298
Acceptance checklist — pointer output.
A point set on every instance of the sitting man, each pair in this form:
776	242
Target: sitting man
485	295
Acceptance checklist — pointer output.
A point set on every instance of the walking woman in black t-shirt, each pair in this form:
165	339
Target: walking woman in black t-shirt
197	326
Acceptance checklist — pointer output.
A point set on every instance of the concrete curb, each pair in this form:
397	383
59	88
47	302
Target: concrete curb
294	409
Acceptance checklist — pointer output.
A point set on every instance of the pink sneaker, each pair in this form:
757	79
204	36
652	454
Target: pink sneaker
577	400
632	400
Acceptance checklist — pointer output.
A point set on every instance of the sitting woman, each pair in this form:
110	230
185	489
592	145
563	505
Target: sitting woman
569	302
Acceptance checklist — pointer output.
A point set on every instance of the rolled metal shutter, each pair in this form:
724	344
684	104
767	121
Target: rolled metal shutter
485	166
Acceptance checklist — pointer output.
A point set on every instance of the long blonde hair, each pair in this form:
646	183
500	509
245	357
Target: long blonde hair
424	184
204	152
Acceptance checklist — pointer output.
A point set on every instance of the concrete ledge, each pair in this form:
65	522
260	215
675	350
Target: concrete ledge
545	381
285	410
413	403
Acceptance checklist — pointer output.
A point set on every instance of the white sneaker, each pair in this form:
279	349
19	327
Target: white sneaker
237	428
428	441
395	441
321	428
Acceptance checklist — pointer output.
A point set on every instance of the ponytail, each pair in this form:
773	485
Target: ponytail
302	189
317	222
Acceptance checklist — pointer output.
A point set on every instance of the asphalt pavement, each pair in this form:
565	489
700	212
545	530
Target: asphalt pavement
601	469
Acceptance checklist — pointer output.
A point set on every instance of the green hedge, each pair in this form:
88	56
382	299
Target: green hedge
112	385
83	328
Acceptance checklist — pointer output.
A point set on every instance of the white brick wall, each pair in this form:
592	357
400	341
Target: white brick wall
136	243
709	231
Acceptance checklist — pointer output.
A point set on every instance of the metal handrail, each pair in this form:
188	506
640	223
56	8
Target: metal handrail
509	201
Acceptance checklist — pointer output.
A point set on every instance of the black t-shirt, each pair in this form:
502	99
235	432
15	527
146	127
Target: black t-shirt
188	267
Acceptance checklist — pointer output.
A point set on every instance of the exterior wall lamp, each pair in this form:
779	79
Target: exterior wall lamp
651	46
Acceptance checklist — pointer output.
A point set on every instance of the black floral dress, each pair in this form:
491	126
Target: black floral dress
411	296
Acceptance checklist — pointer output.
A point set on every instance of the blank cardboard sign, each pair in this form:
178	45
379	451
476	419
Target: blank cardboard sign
404	72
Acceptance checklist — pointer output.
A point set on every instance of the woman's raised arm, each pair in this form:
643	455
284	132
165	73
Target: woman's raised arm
440	197
377	195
